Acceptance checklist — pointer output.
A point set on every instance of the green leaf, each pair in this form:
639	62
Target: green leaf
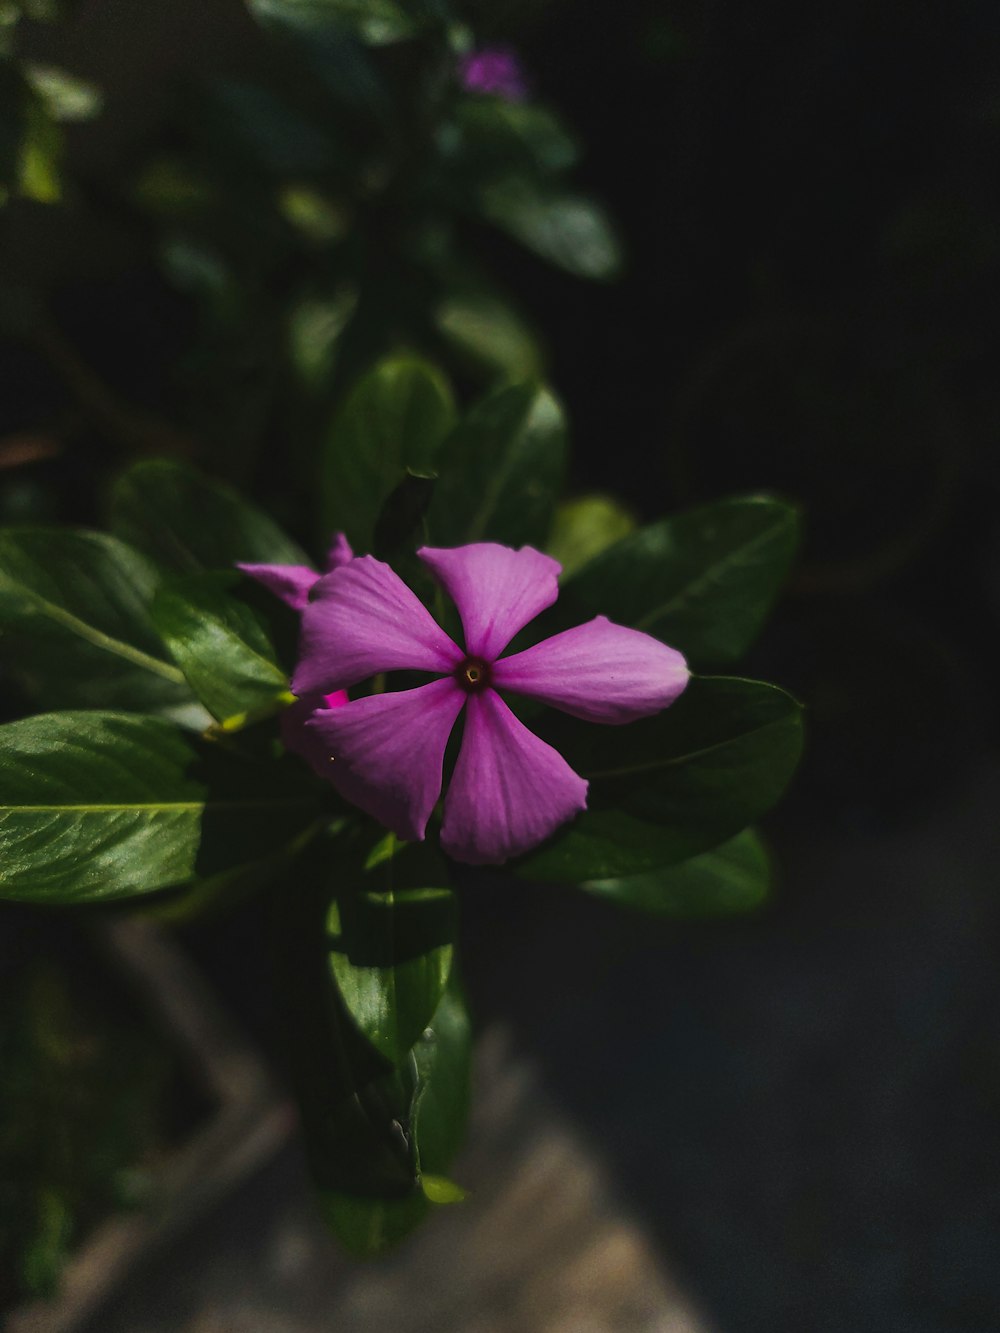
103	805
391	938
367	1226
512	137
75	621
187	522
393	423
704	581
566	229
501	470
220	644
585	527
490	335
732	878
675	785
376	22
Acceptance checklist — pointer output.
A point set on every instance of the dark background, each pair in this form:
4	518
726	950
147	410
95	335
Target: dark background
802	1106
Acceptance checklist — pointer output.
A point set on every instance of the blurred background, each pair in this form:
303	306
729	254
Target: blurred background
751	248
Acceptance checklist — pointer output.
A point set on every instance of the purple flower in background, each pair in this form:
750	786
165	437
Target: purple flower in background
292	584
493	69
510	790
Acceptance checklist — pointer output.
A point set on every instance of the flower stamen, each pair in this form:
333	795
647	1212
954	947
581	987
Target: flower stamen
473	675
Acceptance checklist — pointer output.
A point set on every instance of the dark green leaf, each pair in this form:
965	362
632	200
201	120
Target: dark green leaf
102	805
508	137
392	423
188	522
377	22
220	644
401	517
732	878
391	937
672	786
75	623
367	1226
565	229
501	470
703	581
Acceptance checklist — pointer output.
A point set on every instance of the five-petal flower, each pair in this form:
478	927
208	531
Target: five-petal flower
385	752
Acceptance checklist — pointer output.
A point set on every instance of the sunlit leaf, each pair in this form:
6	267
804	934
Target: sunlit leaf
98	805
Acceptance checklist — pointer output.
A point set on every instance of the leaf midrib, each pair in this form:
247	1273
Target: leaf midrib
655	764
93	635
710	576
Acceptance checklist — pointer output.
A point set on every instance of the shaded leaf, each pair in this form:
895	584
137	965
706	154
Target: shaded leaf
393	423
734	877
501	470
704	581
675	785
189	522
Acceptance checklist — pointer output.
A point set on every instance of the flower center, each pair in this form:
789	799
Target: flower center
473	675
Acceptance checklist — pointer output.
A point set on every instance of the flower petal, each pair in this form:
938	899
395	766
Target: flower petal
509	790
291	583
301	740
599	671
339	553
363	619
497	590
385	752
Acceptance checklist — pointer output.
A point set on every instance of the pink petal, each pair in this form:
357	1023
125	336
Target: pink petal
384	753
599	671
291	583
497	590
509	790
339	553
363	619
300	739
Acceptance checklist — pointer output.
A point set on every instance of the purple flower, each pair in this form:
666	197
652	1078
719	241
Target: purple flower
509	790
293	584
493	69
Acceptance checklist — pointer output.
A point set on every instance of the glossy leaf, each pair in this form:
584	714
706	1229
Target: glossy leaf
675	785
376	22
220	644
392	423
391	938
98	805
188	522
75	621
732	878
501	470
703	582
